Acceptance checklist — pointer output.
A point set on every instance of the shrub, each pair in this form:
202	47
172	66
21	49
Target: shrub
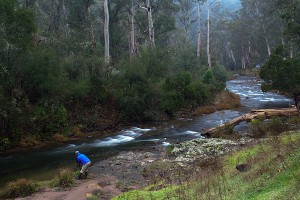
169	149
28	141
208	77
59	137
176	91
51	118
257	128
276	126
65	178
19	188
4	143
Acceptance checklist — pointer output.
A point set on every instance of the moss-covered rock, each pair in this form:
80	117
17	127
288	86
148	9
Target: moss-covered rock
202	148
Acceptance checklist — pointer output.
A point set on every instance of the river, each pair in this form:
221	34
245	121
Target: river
43	163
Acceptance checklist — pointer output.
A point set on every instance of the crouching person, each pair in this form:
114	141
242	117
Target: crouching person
85	162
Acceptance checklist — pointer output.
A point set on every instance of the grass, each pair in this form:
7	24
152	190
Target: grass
25	187
274	173
19	188
64	179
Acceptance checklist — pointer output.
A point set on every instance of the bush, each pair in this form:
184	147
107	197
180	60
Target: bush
169	149
176	89
65	178
257	128
281	72
20	188
59	137
51	118
28	141
4	143
276	126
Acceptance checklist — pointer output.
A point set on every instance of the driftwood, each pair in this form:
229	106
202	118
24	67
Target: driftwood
266	113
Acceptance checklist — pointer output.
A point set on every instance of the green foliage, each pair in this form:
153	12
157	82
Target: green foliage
175	92
257	128
19	188
276	126
208	77
51	65
169	149
138	87
43	76
281	72
4	143
51	118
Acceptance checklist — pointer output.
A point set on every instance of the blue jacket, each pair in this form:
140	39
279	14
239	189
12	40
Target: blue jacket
82	159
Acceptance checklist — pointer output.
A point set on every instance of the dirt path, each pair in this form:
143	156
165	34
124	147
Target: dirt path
105	186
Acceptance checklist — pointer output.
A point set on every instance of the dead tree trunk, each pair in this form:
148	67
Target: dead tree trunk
266	113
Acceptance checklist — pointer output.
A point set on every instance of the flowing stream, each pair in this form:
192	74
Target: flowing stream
43	163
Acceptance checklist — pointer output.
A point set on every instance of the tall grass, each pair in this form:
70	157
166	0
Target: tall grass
19	188
64	179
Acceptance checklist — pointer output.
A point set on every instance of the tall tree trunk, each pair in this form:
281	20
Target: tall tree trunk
264	30
132	44
94	45
200	32
243	63
150	22
291	52
268	45
208	35
106	33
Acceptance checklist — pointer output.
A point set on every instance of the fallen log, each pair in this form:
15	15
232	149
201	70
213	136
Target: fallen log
254	114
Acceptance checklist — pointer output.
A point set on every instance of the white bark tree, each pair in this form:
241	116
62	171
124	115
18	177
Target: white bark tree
106	33
148	8
208	35
199	44
186	16
132	43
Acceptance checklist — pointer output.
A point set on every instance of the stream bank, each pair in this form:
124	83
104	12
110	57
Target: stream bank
42	164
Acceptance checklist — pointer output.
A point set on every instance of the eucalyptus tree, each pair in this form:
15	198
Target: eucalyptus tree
158	24
186	16
199	43
264	21
148	8
106	33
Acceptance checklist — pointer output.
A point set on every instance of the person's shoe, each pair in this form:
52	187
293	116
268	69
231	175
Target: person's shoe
86	174
79	176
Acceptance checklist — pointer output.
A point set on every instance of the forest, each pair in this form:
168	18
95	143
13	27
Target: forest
65	64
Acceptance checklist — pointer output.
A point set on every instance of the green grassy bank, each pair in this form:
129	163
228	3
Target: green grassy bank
270	171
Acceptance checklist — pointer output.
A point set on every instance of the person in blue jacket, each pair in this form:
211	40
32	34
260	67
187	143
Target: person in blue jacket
85	163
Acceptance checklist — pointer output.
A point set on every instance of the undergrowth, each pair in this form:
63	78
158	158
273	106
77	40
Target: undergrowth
272	173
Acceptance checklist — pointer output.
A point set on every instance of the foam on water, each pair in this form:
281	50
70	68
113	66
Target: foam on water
191	132
166	144
123	137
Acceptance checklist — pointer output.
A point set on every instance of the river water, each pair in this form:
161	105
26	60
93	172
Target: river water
43	163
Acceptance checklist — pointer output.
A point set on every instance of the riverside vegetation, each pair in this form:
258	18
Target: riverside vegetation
53	85
264	164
